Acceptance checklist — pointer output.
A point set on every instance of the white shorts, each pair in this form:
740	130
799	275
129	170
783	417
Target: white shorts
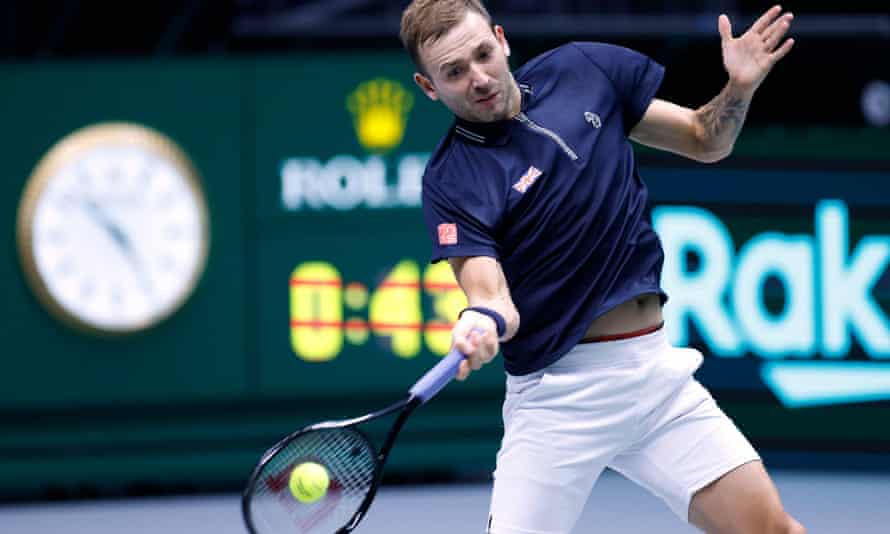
630	405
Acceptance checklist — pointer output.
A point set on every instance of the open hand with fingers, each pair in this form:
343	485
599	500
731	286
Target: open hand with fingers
750	57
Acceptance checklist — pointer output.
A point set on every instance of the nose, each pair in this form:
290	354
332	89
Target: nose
479	78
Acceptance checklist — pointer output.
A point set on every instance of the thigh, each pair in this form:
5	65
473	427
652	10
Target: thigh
689	443
527	499
743	500
554	448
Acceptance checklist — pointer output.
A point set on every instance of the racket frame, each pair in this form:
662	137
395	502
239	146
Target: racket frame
423	390
406	405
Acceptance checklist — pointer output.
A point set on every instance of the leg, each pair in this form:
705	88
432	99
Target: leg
742	501
697	461
540	482
534	504
560	430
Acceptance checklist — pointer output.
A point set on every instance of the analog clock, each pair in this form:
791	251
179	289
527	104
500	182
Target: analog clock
112	228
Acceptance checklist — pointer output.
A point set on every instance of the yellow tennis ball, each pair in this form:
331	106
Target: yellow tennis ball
309	482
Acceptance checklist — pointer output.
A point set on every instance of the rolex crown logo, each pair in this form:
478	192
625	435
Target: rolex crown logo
379	109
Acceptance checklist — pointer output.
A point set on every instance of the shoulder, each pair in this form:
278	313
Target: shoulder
565	56
458	166
542	60
441	157
607	56
579	56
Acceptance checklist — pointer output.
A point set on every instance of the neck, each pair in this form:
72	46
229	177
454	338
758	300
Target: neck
516	98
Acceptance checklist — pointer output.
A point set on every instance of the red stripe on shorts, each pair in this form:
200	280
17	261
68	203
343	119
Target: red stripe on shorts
626	335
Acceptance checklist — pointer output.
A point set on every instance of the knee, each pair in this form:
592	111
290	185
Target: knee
788	525
777	522
780	523
796	528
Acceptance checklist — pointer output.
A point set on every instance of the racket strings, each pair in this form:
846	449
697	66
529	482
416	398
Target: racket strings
349	459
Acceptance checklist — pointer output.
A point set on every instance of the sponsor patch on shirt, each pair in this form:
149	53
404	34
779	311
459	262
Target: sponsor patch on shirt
447	234
527	180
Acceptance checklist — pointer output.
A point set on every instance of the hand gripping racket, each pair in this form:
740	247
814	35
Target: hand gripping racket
353	465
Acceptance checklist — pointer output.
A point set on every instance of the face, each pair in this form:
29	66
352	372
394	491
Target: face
468	72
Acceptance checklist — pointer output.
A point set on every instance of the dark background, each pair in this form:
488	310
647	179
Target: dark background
839	47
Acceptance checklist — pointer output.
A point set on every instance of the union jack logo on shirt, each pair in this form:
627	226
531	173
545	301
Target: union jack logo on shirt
529	178
447	234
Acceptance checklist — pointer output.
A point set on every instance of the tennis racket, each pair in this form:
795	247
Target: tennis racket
353	465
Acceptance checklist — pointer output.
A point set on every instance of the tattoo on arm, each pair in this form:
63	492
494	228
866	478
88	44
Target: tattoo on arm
722	119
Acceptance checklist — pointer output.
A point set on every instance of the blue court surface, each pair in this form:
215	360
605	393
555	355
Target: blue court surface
825	503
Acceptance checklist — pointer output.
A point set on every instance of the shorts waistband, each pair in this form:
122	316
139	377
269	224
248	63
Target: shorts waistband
624	335
629	351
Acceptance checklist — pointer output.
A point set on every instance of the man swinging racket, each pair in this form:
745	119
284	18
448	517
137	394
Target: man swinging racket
534	198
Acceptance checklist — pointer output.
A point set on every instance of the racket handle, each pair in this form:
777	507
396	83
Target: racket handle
438	377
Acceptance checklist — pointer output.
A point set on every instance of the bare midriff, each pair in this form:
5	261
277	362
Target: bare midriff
638	313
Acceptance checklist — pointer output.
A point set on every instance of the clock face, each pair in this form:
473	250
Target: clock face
114	228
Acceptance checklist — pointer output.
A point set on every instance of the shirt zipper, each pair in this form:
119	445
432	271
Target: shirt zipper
535	127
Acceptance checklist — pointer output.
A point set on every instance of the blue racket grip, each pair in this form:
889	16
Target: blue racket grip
438	377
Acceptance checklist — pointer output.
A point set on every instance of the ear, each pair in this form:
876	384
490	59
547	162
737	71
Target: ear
426	85
502	38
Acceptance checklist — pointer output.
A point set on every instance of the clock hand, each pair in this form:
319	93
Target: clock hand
98	215
146	281
121	240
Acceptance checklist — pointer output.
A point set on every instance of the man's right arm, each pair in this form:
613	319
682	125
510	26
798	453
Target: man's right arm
475	334
708	133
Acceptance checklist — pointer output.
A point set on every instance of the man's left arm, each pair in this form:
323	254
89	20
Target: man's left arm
708	133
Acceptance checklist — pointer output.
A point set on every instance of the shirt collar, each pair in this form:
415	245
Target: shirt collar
491	133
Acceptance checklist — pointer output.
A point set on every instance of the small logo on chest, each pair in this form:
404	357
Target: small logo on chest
593	119
527	180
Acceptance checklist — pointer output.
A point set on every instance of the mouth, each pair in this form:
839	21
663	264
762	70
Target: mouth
488	99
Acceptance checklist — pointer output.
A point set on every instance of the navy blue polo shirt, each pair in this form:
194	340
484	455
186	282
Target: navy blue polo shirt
554	195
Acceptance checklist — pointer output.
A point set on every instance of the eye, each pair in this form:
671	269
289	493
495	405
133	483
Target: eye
485	54
454	72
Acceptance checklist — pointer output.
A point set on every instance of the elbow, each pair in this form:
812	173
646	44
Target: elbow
712	154
712	157
708	147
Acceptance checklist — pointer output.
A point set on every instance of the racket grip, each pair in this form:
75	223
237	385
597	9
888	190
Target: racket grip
438	377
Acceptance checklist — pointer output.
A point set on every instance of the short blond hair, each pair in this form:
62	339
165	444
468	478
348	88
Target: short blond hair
426	21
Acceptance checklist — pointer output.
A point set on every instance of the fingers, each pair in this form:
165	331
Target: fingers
724	27
486	348
777	30
466	367
766	19
470	364
782	51
463	371
466	345
479	348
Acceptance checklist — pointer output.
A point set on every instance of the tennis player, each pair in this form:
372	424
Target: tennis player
534	198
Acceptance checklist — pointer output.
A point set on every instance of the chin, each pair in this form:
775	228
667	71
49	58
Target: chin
500	115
